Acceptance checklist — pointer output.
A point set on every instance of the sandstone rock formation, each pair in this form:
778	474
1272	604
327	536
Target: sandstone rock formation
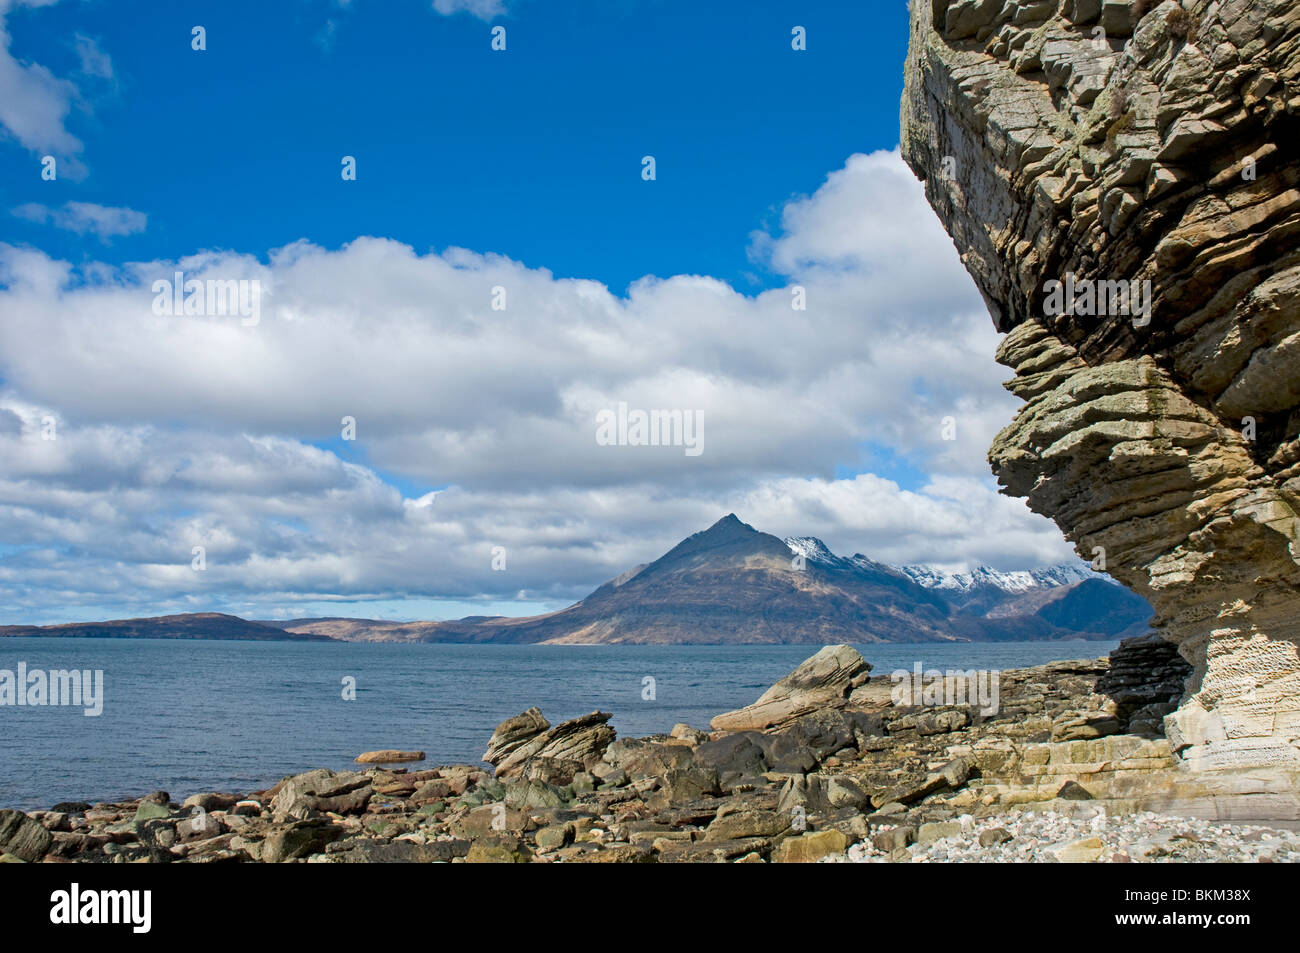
1100	142
824	680
529	739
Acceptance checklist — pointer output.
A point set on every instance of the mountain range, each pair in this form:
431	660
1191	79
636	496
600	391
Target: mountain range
732	584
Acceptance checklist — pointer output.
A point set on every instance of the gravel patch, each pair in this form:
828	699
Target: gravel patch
1048	837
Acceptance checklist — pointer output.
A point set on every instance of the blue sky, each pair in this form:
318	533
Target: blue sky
782	277
534	152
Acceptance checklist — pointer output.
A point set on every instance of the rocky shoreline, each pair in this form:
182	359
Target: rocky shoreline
1072	766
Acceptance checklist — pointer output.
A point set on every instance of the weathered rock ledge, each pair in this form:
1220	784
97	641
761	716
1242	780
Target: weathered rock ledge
1142	146
1068	737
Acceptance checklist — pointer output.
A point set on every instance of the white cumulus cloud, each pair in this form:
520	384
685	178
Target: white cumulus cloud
177	430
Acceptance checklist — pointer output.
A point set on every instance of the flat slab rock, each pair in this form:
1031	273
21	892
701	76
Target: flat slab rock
389	756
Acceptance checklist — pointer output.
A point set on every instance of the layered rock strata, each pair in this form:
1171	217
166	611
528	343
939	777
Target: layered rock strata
862	770
1121	181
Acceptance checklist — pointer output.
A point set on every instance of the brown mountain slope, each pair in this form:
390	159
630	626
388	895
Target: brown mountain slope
192	625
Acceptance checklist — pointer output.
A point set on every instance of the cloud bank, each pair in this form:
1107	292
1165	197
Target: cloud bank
473	383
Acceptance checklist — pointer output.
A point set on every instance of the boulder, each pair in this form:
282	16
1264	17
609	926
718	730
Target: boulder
499	849
389	756
739	753
824	680
809	848
747	823
994	836
893	839
322	790
523	795
299	839
518	740
23	837
686	784
211	801
647	757
152	810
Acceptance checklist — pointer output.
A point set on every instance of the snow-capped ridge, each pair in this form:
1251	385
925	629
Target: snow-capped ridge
813	550
1023	580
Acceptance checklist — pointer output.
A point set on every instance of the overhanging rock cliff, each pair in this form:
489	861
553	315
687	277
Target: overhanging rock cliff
1094	142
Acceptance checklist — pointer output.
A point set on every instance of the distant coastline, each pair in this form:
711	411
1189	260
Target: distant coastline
730	585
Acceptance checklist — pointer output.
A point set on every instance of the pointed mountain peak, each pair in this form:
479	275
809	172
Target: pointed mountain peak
727	529
730	522
728	538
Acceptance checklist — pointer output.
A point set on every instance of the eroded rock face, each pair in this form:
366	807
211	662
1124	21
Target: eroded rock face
1107	141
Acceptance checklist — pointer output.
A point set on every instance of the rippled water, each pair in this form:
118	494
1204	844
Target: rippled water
189	716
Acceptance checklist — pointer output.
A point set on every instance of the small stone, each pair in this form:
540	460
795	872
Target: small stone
938	830
1079	852
994	836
